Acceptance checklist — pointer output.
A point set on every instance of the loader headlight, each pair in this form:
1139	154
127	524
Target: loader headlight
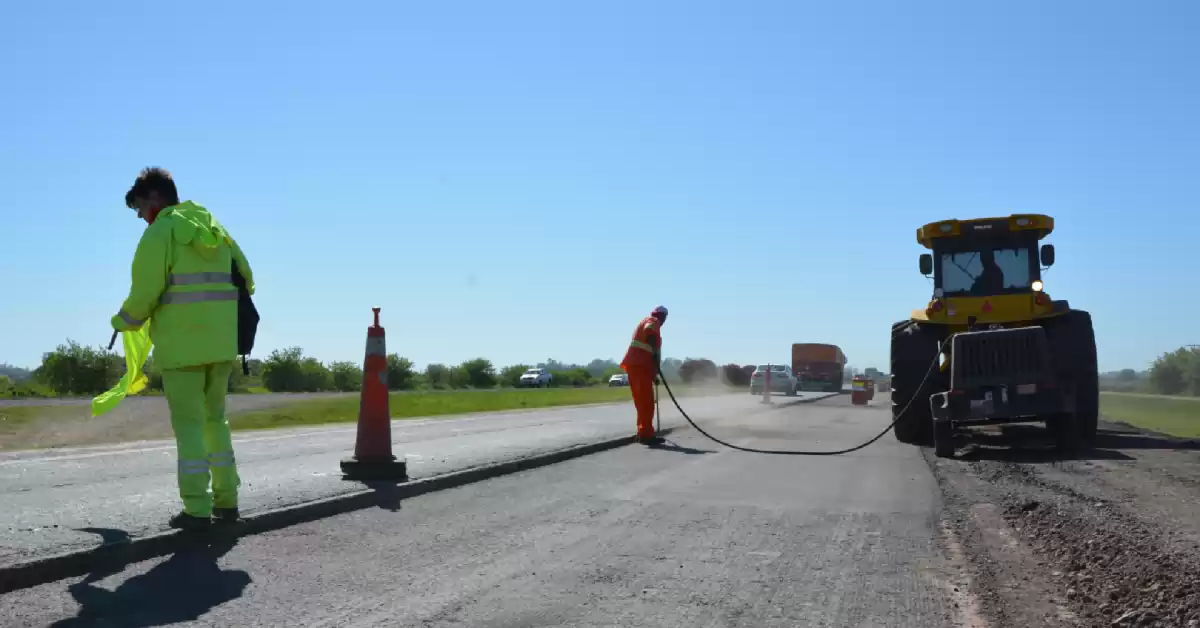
1036	286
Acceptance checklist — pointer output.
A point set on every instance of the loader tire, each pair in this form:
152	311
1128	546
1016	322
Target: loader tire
914	350
1067	432
1073	343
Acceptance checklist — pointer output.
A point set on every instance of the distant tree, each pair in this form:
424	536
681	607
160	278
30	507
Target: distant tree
437	376
480	373
734	375
577	377
1127	375
15	374
287	370
316	375
400	373
281	370
670	367
599	368
1177	372
347	376
73	369
510	376
697	370
459	377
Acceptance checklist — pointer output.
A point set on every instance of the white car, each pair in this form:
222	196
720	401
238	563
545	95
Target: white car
620	379
534	378
782	380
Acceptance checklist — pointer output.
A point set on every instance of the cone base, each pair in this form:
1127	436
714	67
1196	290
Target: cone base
384	468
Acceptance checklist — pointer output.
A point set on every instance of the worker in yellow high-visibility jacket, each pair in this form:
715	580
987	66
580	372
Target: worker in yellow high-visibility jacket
182	283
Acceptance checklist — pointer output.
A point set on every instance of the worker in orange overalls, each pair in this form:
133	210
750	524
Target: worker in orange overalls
641	362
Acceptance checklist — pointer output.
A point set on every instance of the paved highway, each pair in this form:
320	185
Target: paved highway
690	537
50	498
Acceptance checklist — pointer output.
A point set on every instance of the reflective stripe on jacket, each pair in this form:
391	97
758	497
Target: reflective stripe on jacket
182	283
644	346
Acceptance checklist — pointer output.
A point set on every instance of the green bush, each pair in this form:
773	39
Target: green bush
479	373
437	376
1177	372
346	376
73	369
510	376
697	370
573	378
459	378
287	370
400	373
736	376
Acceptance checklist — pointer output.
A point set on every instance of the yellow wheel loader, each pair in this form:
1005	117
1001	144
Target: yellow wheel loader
991	346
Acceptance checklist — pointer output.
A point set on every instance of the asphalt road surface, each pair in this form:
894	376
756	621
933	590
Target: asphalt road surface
688	536
53	501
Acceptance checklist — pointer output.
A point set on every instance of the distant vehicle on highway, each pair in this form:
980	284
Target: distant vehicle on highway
620	379
819	367
535	378
782	380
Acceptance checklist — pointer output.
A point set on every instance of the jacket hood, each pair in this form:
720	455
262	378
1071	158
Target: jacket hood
193	225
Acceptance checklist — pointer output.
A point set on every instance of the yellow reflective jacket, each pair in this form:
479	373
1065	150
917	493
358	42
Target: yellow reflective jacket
182	283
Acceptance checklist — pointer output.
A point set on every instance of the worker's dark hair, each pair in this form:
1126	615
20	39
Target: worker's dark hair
153	179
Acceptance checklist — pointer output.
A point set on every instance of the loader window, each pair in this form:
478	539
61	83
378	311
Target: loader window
985	272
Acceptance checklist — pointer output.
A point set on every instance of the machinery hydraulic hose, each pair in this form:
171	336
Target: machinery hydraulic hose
798	452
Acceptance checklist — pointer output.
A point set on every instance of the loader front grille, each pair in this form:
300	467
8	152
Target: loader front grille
999	357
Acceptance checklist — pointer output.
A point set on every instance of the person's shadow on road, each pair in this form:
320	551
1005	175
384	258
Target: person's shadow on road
184	588
667	445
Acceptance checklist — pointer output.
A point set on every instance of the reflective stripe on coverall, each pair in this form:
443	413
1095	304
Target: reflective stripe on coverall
182	283
641	363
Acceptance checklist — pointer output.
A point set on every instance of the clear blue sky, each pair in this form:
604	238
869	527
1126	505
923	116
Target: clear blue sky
523	180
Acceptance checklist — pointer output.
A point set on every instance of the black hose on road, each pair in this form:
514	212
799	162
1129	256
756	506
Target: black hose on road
798	452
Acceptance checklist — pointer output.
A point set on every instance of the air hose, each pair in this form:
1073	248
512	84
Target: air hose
797	452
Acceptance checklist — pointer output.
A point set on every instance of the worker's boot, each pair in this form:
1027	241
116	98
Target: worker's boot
184	521
226	515
651	441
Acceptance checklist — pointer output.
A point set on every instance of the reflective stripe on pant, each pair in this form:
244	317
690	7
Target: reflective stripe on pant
641	384
196	397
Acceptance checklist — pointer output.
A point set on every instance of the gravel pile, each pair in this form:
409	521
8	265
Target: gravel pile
1115	571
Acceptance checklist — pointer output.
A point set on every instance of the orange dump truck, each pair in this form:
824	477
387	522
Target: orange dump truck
819	367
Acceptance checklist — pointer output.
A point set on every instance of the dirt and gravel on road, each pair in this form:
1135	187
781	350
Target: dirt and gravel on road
1110	537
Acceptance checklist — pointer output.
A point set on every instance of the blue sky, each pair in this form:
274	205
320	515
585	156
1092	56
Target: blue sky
524	180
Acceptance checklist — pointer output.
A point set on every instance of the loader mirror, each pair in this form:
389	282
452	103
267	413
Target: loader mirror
1047	255
926	264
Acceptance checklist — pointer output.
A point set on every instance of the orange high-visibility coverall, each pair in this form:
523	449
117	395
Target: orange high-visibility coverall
641	363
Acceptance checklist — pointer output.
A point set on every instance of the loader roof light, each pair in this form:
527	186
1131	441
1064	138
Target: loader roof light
1036	286
946	227
1023	222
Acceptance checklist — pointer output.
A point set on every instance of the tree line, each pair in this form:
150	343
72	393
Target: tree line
73	369
1177	372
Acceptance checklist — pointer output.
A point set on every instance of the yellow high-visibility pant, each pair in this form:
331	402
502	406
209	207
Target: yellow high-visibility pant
196	397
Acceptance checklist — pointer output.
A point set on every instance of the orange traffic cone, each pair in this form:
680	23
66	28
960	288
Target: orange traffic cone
373	459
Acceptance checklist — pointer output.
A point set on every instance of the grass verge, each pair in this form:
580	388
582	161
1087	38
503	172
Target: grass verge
1176	416
429	404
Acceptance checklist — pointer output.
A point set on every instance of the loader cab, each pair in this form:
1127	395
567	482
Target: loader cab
989	269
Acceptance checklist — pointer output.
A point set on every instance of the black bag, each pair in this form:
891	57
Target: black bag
247	318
